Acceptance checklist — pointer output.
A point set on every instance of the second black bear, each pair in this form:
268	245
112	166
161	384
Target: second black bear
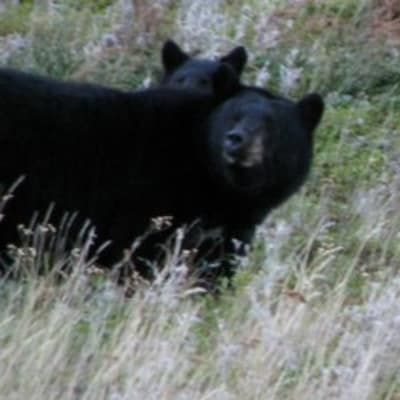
184	71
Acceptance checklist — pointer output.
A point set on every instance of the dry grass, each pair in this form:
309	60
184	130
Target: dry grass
268	340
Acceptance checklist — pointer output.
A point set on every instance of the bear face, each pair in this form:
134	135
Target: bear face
183	71
261	145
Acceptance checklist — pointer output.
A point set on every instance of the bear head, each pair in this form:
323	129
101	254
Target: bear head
260	144
183	71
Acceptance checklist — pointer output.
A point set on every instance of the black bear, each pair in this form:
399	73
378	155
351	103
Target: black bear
183	71
69	139
121	159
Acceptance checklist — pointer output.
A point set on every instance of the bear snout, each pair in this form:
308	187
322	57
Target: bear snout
234	142
241	150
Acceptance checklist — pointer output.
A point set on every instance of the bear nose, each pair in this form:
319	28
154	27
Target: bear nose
234	141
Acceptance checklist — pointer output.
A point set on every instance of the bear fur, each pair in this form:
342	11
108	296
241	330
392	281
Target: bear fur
183	71
121	159
84	147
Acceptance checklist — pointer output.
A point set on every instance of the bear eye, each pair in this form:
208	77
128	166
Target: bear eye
180	79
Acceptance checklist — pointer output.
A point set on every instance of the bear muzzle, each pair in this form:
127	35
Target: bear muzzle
240	150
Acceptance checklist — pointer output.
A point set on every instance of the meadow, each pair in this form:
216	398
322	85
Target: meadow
315	313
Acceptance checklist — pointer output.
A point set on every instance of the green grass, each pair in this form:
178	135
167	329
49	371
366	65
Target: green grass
315	311
15	19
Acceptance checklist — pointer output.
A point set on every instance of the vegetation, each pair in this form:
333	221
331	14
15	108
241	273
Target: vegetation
316	312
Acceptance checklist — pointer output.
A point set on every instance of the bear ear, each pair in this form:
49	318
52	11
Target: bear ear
225	81
311	108
237	59
172	56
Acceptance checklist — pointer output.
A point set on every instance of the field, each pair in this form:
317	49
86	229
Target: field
315	313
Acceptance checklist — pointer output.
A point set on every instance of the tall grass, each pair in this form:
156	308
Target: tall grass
315	311
274	337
